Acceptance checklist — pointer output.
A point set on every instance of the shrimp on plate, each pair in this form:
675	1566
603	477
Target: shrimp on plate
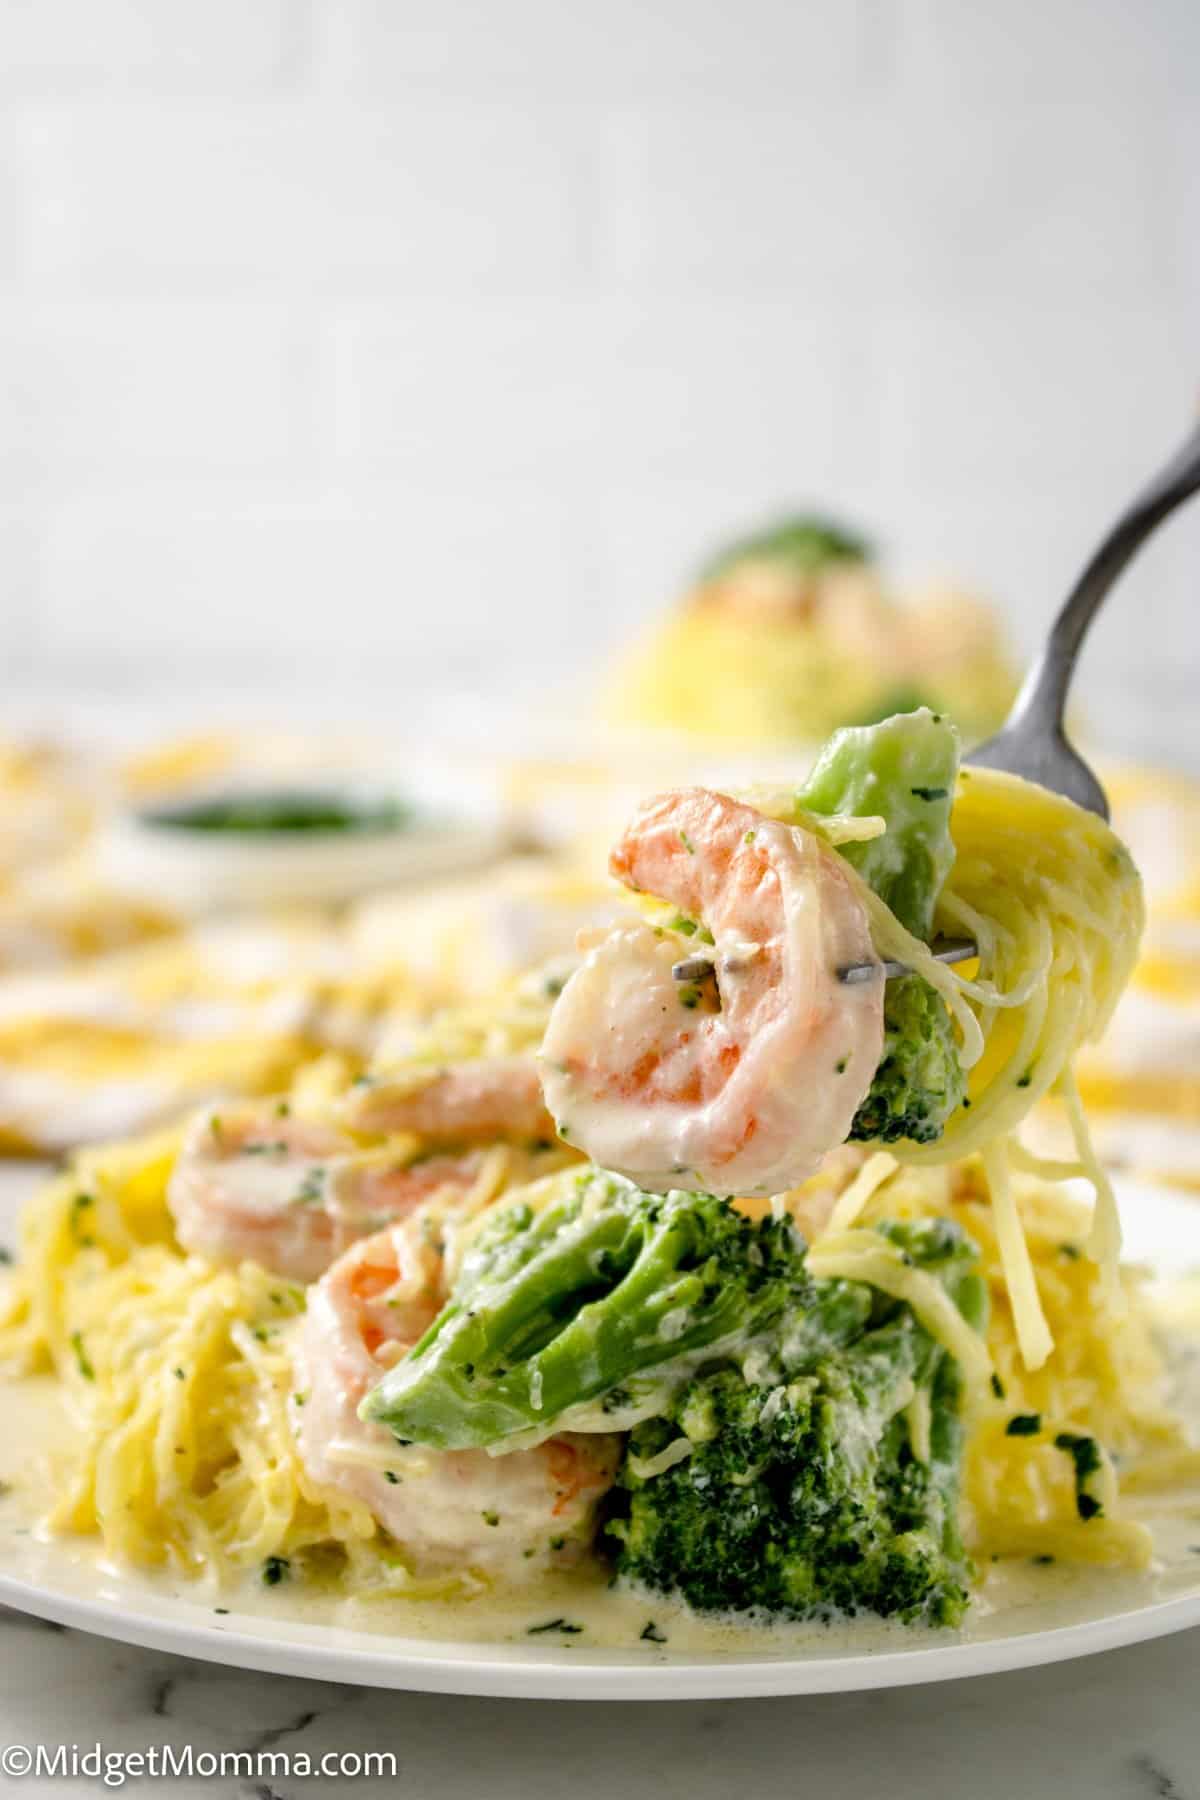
739	1078
458	1509
260	1183
494	1097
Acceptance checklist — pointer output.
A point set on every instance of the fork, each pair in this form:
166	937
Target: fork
1033	741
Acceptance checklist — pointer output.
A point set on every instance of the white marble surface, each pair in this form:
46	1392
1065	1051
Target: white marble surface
1118	1727
1126	1724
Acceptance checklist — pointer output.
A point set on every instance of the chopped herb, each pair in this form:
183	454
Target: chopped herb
553	986
6	1254
748	839
839	1068
689	997
282	1109
81	1357
652	1635
275	1569
268	1147
1070	1251
930	793
223	1610
79	1206
1043	1560
490	1518
1023	1425
687	843
997	1386
312	1189
966	1105
564	1131
1026	1080
299	1399
556	1543
179	1375
1085	1454
260	1333
553	1625
391	1476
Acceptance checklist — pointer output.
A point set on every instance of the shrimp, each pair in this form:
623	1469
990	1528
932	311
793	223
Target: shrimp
290	1193
458	1509
739	1084
494	1097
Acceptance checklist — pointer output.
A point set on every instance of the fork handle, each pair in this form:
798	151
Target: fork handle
1043	694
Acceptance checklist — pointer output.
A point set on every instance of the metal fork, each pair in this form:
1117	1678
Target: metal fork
1033	741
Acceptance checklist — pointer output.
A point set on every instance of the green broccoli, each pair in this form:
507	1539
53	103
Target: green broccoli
919	1081
805	543
804	1489
903	770
807	1485
561	1306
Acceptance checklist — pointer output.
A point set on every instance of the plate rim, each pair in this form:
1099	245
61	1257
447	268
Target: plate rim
445	1667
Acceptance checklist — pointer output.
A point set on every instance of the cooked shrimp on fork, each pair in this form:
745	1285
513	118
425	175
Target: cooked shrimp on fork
740	1077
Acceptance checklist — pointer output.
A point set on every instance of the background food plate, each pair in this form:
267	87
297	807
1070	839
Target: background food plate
1061	1615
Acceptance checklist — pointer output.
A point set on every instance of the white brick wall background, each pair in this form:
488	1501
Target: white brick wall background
349	346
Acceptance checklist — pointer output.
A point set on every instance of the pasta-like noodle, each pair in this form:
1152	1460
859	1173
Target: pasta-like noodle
178	1377
1053	901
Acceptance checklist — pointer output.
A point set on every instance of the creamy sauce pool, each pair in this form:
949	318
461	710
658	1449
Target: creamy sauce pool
576	1612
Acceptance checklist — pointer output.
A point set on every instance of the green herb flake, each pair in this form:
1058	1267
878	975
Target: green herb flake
563	1625
650	1634
391	1477
81	1357
997	1386
6	1255
179	1374
275	1569
312	1189
80	1205
748	839
839	1068
490	1518
930	793
1023	1425
222	1610
1042	1561
1084	1452
1072	1252
687	843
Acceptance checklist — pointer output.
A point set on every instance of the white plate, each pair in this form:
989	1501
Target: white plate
1071	1617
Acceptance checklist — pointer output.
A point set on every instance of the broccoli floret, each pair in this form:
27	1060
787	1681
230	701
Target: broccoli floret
806	544
805	1494
919	1081
903	770
560	1305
